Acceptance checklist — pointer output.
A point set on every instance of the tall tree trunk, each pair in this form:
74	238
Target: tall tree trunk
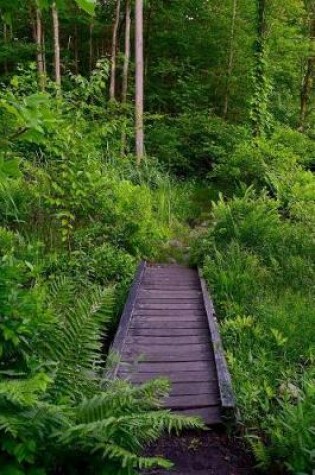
230	62
260	102
308	80
112	87
56	35
39	52
125	77
139	106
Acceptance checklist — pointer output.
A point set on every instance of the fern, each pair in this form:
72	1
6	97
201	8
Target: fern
55	407
74	346
260	451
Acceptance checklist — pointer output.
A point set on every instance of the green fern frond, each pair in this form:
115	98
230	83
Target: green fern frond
120	396
75	344
24	392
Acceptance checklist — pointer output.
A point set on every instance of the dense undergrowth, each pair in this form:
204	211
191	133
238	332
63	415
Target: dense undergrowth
258	257
76	217
73	226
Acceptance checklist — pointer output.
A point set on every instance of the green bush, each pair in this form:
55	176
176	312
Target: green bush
258	257
56	407
190	144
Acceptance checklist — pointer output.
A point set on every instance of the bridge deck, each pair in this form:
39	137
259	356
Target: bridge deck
168	329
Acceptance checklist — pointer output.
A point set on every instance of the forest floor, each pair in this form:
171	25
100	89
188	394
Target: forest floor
211	452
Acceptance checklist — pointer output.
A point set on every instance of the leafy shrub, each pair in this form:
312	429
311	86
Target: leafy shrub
292	430
56	409
191	144
258	259
58	412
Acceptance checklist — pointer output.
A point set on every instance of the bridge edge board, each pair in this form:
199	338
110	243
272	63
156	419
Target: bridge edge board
126	317
223	374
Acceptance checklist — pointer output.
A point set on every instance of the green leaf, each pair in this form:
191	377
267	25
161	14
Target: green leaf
9	168
87	5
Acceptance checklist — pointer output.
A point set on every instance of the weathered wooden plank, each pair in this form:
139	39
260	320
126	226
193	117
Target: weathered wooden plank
151	348
169	294
210	415
171	284
172	280
187	377
224	378
164	332
192	401
169	318
168	274
170	301
165	368
145	323
132	356
169	313
181	389
167	340
169	306
171	270
170	287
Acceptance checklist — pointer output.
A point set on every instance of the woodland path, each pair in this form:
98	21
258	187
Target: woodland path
169	329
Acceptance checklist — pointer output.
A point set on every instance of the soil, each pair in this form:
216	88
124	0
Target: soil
211	452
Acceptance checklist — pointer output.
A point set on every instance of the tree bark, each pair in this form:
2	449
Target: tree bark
139	106
230	61
112	87
308	80
56	35
40	53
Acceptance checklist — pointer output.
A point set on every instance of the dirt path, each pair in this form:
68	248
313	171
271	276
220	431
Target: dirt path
211	452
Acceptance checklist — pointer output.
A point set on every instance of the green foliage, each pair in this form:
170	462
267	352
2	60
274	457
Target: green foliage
190	144
83	225
258	259
56	409
75	217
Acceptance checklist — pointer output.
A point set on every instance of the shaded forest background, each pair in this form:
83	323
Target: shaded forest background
210	162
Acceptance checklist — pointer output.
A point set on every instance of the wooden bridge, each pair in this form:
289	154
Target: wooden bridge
168	328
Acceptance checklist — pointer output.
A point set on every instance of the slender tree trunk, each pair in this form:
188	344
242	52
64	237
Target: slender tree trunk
139	106
56	35
112	87
125	77
230	62
308	80
39	53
